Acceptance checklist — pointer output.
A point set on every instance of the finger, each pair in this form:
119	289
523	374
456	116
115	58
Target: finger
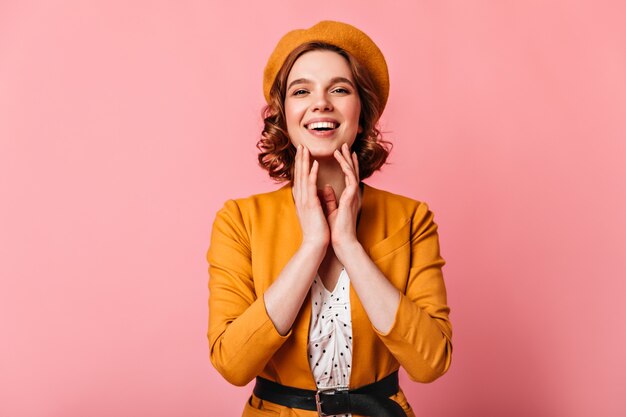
312	181
348	157
346	168
306	169
343	164
330	199
296	171
345	151
320	196
355	161
300	174
306	159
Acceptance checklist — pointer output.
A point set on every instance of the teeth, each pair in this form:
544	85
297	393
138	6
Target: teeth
322	125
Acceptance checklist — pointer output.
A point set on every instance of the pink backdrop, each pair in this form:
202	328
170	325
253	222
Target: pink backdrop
124	126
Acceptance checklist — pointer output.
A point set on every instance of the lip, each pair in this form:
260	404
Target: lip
322	133
322	119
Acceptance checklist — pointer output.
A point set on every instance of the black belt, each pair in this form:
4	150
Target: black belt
369	400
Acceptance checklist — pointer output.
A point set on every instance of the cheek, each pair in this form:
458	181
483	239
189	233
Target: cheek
355	109
358	110
293	115
356	114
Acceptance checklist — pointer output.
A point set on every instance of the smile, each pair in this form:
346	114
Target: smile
322	126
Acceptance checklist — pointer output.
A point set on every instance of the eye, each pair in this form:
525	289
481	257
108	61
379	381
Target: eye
299	92
341	90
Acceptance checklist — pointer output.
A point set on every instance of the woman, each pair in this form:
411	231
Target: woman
324	287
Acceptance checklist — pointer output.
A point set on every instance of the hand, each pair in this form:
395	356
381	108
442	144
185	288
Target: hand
342	216
308	206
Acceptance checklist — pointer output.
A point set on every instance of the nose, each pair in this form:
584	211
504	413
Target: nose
322	103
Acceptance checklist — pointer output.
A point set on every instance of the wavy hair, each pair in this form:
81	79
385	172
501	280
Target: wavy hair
277	153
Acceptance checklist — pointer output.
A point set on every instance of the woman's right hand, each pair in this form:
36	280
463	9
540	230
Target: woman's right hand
284	298
313	222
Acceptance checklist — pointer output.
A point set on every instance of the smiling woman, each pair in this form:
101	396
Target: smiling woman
319	104
323	288
277	154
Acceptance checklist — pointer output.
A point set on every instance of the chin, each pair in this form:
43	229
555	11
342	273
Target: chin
323	150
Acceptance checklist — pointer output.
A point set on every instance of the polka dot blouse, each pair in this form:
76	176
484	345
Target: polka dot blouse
330	334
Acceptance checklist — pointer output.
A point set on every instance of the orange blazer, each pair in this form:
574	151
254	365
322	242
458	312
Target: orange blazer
252	240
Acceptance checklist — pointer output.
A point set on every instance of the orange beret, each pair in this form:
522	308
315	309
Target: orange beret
343	35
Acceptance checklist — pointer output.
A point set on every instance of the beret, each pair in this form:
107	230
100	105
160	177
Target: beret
343	35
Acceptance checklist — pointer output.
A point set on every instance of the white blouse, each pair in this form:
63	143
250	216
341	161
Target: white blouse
330	333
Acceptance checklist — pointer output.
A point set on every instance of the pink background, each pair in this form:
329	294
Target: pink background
124	126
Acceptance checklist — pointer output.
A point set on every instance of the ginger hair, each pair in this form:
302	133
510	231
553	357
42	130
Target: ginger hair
277	153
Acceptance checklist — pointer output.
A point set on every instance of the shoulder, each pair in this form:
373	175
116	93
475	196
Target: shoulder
278	196
270	198
400	205
237	218
253	205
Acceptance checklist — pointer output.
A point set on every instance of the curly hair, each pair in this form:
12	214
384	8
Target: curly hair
277	153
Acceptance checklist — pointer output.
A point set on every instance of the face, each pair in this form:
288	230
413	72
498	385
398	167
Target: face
322	105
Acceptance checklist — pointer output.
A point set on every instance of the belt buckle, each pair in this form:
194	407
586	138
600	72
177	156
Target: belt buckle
326	391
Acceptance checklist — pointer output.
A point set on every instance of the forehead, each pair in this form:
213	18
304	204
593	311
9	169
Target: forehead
319	66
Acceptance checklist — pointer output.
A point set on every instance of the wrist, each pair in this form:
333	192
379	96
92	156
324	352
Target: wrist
314	248
345	249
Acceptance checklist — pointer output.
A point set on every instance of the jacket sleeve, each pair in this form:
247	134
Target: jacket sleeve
242	337
420	337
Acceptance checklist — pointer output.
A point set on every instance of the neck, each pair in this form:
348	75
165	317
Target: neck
330	173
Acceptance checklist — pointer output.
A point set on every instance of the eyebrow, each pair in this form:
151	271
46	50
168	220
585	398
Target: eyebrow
332	81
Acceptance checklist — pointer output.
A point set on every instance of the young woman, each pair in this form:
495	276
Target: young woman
323	288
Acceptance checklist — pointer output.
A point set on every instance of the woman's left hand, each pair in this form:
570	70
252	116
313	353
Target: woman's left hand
342	216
